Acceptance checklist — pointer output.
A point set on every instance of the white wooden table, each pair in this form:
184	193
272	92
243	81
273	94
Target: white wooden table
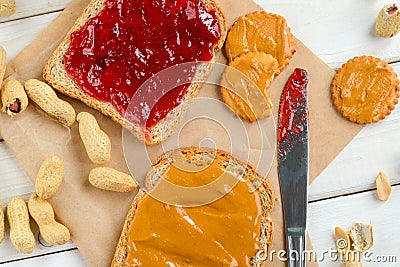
344	192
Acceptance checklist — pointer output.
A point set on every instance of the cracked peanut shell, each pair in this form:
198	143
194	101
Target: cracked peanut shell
362	236
14	98
388	21
7	8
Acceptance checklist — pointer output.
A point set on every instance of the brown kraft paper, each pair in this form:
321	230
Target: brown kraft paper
96	217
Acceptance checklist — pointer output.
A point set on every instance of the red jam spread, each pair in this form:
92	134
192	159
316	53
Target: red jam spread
128	42
293	98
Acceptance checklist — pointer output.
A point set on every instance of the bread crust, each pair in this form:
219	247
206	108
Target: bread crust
55	75
161	164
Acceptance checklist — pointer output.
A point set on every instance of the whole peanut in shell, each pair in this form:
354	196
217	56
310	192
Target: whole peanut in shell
46	98
42	212
112	180
49	177
96	141
20	232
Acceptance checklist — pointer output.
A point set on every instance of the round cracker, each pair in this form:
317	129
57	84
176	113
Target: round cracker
365	89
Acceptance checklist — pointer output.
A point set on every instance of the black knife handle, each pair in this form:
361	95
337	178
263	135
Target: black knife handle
296	246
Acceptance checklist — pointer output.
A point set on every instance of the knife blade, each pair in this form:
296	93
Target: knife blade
293	164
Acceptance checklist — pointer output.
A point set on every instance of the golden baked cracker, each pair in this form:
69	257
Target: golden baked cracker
365	89
245	85
261	32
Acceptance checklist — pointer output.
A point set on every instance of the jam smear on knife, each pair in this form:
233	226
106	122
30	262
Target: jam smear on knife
293	97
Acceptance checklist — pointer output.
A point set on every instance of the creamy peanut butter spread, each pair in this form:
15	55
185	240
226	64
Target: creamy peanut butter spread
222	233
365	90
261	32
246	82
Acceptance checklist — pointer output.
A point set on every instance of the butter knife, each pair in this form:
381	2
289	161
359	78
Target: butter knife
293	164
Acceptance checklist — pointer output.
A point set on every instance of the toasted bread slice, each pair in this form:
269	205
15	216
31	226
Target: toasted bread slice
199	157
55	74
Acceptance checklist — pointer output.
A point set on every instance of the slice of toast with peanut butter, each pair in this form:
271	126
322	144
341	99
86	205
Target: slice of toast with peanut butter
232	230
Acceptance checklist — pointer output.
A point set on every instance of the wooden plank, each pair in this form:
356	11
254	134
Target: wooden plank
63	258
9	253
13	179
28	8
332	29
336	179
323	27
374	149
15	35
14	182
324	216
337	30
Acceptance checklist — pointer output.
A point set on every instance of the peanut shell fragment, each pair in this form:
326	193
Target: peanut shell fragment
352	259
383	187
96	141
342	240
49	177
1	223
42	212
7	8
362	236
388	21
352	263
14	98
112	180
3	57
46	98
